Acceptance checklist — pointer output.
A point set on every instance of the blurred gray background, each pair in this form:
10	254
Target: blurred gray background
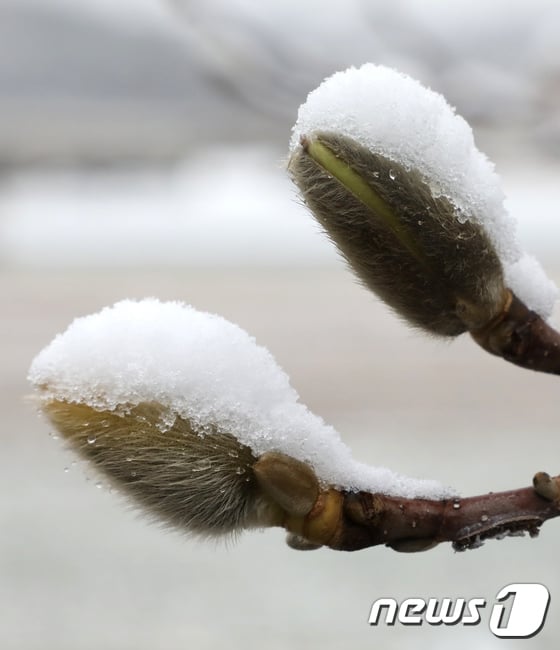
142	150
139	81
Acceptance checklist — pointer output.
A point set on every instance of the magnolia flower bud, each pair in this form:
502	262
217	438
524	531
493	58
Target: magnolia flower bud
202	484
395	179
185	414
438	271
206	484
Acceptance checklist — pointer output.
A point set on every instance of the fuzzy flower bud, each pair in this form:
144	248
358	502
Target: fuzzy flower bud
439	272
393	176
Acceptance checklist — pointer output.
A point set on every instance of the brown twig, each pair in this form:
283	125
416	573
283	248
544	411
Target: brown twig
522	337
365	520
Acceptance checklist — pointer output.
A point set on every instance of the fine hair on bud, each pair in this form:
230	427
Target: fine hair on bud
434	266
203	484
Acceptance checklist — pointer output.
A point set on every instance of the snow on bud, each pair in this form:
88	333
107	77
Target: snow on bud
186	414
393	176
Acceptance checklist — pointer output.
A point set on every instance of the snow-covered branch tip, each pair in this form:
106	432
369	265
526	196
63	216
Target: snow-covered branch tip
186	415
394	178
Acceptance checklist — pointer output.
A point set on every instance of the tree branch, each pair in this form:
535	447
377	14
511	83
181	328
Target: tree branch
522	337
410	525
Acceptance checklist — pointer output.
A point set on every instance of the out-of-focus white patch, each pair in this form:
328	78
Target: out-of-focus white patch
391	114
162	218
202	367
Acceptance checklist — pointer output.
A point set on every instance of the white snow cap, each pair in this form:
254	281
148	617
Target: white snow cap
392	114
204	368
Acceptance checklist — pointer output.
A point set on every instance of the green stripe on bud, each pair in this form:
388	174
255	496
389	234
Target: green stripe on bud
352	181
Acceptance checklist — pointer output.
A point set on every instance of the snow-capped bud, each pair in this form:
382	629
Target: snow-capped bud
437	270
184	413
393	176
